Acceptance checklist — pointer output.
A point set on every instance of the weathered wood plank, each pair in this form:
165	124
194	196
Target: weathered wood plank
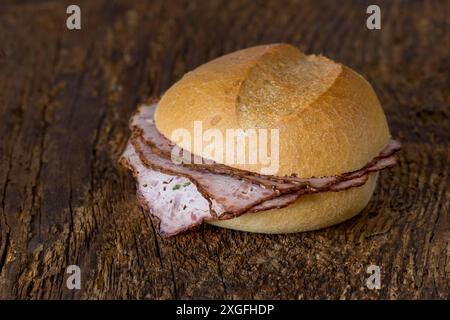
65	100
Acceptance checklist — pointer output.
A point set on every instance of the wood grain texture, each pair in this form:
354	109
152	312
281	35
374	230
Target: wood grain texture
65	100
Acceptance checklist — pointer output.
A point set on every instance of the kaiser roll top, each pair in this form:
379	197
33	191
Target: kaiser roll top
328	117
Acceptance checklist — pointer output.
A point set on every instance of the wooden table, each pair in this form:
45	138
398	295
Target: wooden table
65	100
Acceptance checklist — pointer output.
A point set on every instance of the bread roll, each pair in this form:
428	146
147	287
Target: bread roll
328	117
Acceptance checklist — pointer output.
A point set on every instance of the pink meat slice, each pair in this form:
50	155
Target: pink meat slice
174	200
143	122
276	203
229	195
346	184
355	179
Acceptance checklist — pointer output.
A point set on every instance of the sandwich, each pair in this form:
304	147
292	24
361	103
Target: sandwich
264	139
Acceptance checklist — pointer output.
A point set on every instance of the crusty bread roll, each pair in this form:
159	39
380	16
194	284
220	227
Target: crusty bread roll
329	120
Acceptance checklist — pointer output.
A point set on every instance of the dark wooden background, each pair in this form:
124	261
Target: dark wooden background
65	100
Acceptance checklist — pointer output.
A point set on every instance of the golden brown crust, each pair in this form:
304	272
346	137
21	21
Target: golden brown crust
329	118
